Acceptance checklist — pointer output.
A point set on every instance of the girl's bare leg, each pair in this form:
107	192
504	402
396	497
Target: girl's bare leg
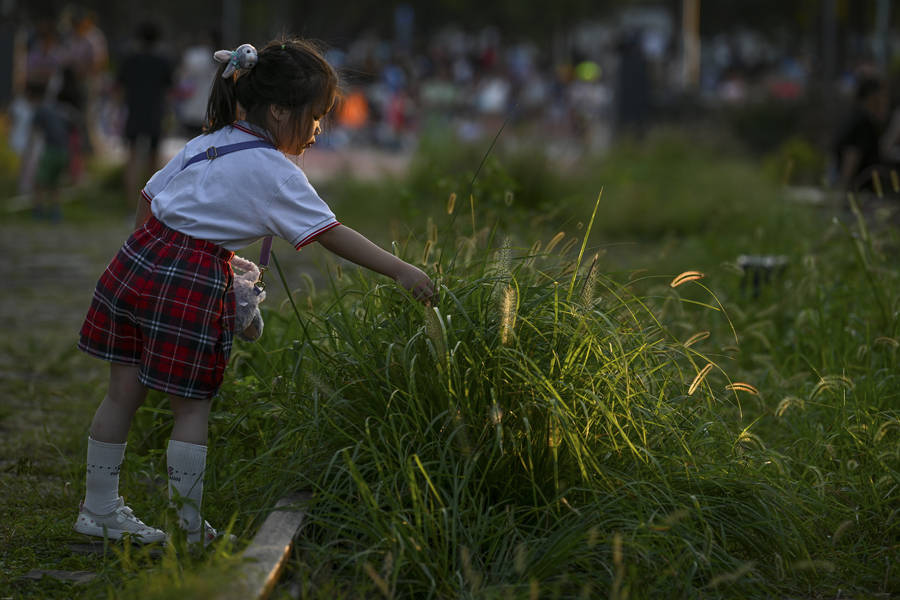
125	395
191	420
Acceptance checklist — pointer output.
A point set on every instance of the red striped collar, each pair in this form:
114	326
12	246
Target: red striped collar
246	128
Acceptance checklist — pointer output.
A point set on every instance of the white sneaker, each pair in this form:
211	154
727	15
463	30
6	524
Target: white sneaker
207	534
117	524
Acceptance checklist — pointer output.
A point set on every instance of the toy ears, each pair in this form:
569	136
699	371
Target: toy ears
244	57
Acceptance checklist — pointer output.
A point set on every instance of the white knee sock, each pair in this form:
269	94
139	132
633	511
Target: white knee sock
186	465
102	482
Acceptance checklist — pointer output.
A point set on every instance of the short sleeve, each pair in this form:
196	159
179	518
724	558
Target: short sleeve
298	214
161	178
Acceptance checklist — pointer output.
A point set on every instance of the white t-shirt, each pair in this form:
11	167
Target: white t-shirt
235	199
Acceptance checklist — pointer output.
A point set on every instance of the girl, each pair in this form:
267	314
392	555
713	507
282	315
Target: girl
163	311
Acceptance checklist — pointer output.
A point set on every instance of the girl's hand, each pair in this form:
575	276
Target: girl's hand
417	282
356	248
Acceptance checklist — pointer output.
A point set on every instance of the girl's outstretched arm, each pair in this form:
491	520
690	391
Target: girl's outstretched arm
356	248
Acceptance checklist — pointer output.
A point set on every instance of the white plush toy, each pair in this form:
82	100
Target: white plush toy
248	322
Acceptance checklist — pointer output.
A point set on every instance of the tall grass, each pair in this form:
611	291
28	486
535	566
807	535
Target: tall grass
554	427
527	435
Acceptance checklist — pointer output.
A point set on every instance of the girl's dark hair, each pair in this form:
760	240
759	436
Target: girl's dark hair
290	73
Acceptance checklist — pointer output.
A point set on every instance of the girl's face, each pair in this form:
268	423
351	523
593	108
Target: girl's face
284	125
315	129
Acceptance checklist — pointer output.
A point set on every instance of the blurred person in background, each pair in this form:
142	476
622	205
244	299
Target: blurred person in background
195	78
856	152
43	71
145	79
88	59
51	124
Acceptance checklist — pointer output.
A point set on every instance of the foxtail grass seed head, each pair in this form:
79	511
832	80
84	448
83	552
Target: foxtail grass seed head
885	427
508	198
520	560
433	233
507	314
377	579
831	383
876	183
532	253
786	403
742	387
686	277
733	576
697	337
593	536
503	260
554	241
699	378
426	252
451	203
435	331
590	283
471	575
496	414
886	341
567	247
895	181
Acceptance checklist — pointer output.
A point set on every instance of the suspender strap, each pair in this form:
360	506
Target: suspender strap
212	153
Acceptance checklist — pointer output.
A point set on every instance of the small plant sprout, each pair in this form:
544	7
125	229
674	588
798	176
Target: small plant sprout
686	277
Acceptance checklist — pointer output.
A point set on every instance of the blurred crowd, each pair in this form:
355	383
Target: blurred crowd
604	81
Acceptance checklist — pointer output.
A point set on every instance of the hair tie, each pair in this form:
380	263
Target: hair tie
243	57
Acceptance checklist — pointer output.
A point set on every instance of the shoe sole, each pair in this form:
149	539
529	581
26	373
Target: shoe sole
116	534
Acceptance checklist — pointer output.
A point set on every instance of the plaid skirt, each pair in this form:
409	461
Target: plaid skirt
165	303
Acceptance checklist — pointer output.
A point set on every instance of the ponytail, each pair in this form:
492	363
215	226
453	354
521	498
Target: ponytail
221	109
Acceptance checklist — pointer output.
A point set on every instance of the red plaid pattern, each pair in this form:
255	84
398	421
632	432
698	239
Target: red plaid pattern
165	303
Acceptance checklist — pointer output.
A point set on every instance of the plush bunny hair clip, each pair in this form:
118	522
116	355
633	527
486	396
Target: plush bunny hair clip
244	57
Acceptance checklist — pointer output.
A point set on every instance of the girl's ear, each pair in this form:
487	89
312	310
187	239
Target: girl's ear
279	113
